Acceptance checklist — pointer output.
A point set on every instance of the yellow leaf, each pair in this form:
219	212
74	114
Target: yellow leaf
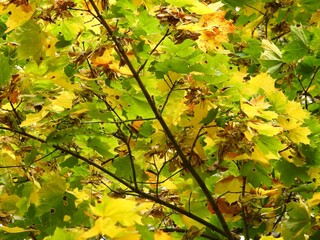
278	101
214	30
299	135
100	226
291	156
257	107
200	8
295	110
227	185
314	173
129	233
258	156
315	200
288	122
64	101
270	238
19	15
262	81
189	222
108	61
265	128
315	19
62	80
119	210
33	118
160	235
16	229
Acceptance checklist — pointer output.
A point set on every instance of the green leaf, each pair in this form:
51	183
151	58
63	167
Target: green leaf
289	172
31	156
253	48
98	145
268	144
211	116
299	34
299	221
69	28
256	174
61	233
6	69
297	48
52	192
310	5
136	105
123	167
30	34
69	162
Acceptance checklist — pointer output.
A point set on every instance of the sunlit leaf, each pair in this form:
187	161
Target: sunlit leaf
16	229
270	238
299	135
33	118
19	14
63	101
230	187
119	210
160	235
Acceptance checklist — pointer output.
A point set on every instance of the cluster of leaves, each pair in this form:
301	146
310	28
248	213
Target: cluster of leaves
159	119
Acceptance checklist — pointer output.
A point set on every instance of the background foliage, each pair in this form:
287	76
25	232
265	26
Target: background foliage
159	119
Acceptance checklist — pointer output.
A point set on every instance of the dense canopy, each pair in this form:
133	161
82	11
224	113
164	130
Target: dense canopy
159	119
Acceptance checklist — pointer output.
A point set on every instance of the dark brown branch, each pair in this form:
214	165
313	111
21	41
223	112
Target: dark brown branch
226	231
120	180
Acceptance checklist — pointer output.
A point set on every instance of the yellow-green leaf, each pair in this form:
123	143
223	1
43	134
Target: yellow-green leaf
18	15
16	229
299	135
119	210
33	118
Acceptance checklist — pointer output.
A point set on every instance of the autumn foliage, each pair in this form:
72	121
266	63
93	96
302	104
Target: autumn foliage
159	119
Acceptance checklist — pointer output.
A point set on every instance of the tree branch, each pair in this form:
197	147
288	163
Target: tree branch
164	125
120	180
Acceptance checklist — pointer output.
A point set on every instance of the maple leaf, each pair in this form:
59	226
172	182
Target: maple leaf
160	235
315	200
108	60
33	118
213	29
230	188
299	135
19	14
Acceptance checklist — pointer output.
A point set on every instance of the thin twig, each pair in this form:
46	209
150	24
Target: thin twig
243	211
169	94
133	169
153	50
